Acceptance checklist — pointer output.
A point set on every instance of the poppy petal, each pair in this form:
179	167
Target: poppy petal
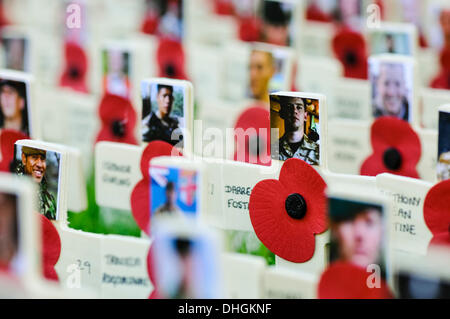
155	149
140	205
7	140
299	177
74	75
346	281
51	248
171	59
256	119
435	209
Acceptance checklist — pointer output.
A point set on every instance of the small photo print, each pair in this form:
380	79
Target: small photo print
278	22
393	42
14	105
392	86
116	72
174	192
166	17
44	168
297	121
163	112
443	166
15	53
357	233
9	234
185	266
266	73
415	286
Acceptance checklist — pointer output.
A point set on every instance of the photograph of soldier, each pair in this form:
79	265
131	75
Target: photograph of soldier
399	42
443	166
163	113
357	232
9	237
43	167
392	87
169	207
277	22
297	120
15	53
262	69
116	68
166	18
14	106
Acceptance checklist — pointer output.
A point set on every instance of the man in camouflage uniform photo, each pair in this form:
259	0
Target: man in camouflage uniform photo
34	164
295	143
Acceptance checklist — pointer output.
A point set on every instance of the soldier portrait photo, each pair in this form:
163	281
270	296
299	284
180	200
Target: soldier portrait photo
392	86
44	169
297	121
13	106
174	192
15	49
163	113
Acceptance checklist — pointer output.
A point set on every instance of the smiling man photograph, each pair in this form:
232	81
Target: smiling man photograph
34	164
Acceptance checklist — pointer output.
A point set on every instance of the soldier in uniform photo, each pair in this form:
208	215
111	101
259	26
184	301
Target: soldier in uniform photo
262	69
169	207
159	125
34	164
8	232
295	143
13	106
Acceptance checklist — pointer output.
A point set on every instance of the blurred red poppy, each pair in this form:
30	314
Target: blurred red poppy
347	281
51	248
250	29
171	59
350	49
436	213
442	80
7	140
252	136
75	71
224	7
396	149
286	214
314	13
118	120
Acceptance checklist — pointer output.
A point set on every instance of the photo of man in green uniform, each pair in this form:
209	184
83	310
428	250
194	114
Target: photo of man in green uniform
34	164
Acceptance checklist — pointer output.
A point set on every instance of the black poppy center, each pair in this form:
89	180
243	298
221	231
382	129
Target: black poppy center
118	128
392	159
350	58
74	72
170	70
295	206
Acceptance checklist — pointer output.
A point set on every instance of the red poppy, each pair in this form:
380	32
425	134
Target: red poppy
51	248
3	20
442	80
347	281
150	24
118	120
287	213
396	149
314	13
254	121
350	48
7	140
437	214
171	59
75	71
140	197
224	7
250	29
